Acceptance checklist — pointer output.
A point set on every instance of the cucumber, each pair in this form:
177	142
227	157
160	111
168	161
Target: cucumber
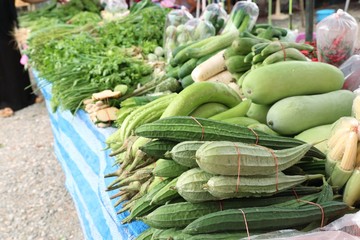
243	45
317	136
173	72
186	81
229	52
236	64
270	83
205	47
187	68
293	115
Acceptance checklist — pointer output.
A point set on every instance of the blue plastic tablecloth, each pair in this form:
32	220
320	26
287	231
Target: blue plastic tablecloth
79	147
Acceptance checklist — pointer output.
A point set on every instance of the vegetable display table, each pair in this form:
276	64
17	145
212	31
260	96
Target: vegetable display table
79	147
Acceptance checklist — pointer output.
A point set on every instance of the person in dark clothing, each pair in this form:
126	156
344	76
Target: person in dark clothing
15	92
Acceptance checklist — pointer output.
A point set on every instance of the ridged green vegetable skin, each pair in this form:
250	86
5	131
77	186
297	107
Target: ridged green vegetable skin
190	129
225	158
264	218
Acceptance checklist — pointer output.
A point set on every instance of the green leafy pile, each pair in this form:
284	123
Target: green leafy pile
82	60
83	18
142	27
62	12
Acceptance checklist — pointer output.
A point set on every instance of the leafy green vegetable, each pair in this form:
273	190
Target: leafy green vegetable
62	12
89	58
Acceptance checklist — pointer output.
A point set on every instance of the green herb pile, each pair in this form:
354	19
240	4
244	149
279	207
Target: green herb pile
80	60
62	12
144	28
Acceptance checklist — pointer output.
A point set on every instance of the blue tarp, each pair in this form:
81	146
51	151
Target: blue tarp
79	147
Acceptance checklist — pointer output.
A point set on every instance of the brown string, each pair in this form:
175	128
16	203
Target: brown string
321	209
312	203
283	49
221	205
257	136
202	128
276	167
246	224
296	196
239	167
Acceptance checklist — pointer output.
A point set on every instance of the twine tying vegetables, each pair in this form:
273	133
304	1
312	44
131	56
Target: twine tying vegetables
283	49
202	128
239	167
246	224
276	167
312	203
256	136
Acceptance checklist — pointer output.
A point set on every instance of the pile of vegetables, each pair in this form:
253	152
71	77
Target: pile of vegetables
62	12
226	138
180	161
238	123
82	60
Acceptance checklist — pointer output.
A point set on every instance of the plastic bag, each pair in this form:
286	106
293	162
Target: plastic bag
336	36
114	6
351	70
243	16
216	15
174	27
196	29
344	228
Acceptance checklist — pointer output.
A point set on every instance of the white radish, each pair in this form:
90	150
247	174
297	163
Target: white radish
209	68
224	77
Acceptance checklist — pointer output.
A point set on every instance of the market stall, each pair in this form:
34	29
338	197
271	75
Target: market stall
201	128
